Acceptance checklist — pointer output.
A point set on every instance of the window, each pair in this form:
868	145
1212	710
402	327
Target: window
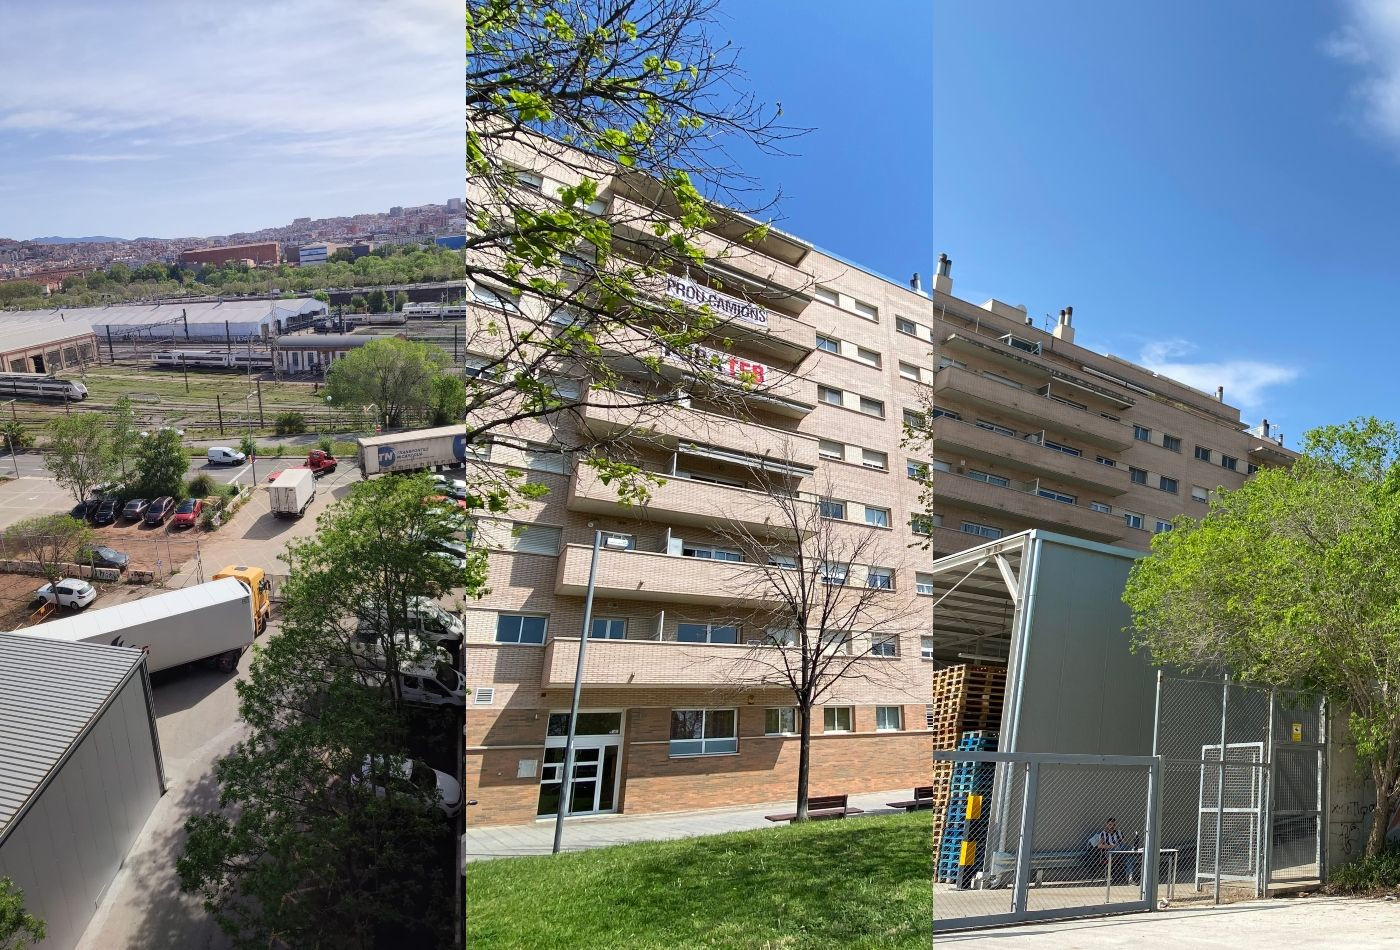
872	459
908	371
1057	495
837	719
566	317
1171	442
928	717
923	584
533	539
938	465
833	574
827	296
1163	526
835	510
865	310
884	644
706	633
831	450
520	628
1142	434
872	407
1132	519
881	578
780	637
785	561
889	718
828	395
1251	468
1058	447
1166	484
1199	494
868	357
916	469
609	628
989	479
926	648
906	326
1139	476
545	460
780	721
1203	453
993	427
1100	506
915	420
704	731
828	345
981	530
877	517
528	180
1103	460
936	412
710	553
921	524
837	642
1227	461
946	362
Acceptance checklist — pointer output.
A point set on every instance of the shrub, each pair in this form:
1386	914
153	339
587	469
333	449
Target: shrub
201	486
289	423
15	433
206	517
1367	875
326	444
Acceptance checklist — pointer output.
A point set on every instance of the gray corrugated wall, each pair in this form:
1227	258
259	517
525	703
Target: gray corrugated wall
68	847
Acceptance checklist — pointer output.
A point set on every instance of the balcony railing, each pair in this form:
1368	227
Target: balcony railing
1026	451
1021	503
647	576
686	501
644	663
966	387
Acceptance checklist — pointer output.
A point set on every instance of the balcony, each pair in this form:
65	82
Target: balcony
972	442
675	426
644	663
1026	509
965	388
672	578
685	501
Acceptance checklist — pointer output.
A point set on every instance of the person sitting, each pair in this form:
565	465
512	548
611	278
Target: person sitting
1111	839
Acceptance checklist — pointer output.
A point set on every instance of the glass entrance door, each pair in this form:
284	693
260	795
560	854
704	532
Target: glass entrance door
592	789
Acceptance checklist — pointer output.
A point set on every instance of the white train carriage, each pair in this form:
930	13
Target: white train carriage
43	386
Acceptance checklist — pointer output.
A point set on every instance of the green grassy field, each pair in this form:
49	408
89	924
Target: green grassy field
107	383
861	883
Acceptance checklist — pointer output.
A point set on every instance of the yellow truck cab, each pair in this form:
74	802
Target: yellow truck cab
255	579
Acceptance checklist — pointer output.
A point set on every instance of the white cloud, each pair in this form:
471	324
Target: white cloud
1369	39
1245	381
104	157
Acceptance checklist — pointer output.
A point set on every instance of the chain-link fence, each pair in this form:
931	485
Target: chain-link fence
1034	835
1243	779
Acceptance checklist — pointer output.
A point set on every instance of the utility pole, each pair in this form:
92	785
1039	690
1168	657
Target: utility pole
185	366
262	422
111	354
219	403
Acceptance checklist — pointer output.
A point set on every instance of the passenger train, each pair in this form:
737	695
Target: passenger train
219	359
40	384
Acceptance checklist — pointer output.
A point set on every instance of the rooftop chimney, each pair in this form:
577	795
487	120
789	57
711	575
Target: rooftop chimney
914	283
1219	393
943	275
1064	330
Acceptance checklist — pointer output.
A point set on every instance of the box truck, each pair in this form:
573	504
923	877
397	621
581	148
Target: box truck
291	491
413	451
212	621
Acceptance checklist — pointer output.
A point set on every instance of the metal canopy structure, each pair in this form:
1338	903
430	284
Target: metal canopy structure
975	596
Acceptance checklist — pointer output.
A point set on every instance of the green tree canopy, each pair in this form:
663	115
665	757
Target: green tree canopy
78	452
397	376
377	300
1293	580
18	929
48	541
161	464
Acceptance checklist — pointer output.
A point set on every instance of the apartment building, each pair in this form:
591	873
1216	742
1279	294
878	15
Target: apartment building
1030	429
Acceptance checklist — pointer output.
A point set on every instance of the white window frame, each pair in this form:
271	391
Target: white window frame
908	371
1132	519
872	407
835	346
884	712
830	450
879	578
926	649
831	717
882	516
868	357
881	461
827	296
710	552
791	717
832	509
923	583
824	392
520	629
884	645
705	739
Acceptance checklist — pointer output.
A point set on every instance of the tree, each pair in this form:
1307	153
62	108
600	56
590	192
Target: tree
377	300
449	400
78	452
357	304
622	96
119	273
322	296
400	299
123	437
161	464
1291	581
16	437
828	608
49	541
298	852
248	446
15	290
395	375
18	929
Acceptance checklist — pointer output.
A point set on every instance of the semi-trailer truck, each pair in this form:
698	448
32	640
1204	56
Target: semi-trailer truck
412	451
212	622
259	587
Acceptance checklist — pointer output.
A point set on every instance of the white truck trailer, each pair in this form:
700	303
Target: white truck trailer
412	451
212	621
291	491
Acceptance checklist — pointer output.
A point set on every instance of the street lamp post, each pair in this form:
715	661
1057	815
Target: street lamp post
566	781
248	427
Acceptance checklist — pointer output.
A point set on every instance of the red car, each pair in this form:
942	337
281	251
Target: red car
187	514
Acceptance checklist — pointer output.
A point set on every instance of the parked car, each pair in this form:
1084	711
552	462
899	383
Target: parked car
453	551
107	511
223	455
69	592
136	509
105	557
379	772
84	510
187	513
159	510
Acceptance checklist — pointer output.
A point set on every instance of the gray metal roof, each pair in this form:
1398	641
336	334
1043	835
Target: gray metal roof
323	341
240	313
50	694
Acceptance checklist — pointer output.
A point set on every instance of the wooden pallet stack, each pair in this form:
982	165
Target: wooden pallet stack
965	699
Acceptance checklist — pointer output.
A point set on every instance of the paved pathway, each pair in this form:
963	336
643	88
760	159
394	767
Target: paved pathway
503	841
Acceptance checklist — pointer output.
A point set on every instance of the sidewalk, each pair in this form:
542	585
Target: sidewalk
505	841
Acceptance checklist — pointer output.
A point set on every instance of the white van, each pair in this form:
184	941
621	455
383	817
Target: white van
223	455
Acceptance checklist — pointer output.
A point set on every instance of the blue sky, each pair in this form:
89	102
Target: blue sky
1212	186
173	119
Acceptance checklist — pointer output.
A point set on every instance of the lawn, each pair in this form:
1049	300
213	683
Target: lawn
858	883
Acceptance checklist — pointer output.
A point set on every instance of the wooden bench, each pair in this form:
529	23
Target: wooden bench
822	806
923	798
